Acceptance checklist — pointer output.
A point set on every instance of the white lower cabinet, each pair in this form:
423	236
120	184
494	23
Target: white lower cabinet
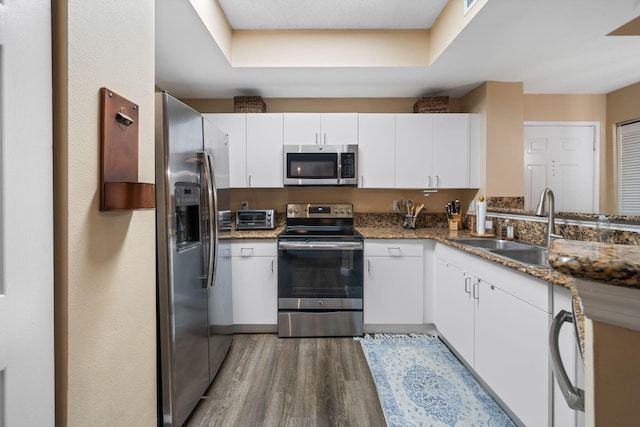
393	282
454	307
255	284
498	322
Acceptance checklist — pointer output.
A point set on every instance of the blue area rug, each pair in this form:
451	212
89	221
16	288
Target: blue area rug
421	383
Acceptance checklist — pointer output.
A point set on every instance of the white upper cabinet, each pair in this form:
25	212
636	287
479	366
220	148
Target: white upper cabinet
264	150
235	126
437	151
376	150
320	128
414	146
255	148
451	150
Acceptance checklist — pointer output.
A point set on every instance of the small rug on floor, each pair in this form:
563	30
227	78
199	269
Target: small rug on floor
421	383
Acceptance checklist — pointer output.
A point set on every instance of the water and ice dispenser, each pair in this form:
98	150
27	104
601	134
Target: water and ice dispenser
187	198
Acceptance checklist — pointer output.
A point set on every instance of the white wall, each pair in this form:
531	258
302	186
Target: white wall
105	262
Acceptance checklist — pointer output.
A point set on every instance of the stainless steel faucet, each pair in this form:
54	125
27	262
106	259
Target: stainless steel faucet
547	194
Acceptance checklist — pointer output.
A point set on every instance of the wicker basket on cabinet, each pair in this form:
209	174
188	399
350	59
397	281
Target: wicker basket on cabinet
432	104
249	104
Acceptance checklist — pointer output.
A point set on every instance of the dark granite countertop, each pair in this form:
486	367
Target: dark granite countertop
615	265
442	235
256	234
439	234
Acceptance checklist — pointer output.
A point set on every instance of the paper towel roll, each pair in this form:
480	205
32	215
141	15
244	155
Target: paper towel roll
481	213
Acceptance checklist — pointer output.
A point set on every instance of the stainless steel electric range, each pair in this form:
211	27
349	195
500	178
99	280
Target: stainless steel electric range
320	272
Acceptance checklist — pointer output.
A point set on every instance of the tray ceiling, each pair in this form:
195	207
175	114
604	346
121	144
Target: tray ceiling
550	46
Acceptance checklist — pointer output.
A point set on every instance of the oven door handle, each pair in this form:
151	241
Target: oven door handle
572	394
320	246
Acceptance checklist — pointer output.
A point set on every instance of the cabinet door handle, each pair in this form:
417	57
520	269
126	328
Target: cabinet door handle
325	138
429	181
249	180
437	179
467	285
272	265
316	138
368	266
476	290
362	181
246	251
394	251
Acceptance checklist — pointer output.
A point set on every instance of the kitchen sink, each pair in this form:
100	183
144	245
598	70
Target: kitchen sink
536	257
484	243
533	256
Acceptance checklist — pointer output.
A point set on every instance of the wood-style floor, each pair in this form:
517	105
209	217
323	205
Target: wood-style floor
271	381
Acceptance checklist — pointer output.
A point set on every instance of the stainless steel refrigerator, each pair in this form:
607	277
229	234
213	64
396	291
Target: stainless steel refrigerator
194	300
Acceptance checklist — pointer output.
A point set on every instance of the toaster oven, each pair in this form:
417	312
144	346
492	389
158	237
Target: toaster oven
256	219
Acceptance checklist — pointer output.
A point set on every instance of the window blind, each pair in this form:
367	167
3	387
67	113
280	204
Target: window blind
629	168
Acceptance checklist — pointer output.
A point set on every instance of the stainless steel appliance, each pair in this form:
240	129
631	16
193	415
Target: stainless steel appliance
195	323
321	165
320	272
573	394
256	219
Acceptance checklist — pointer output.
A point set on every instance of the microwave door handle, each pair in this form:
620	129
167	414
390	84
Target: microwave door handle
573	395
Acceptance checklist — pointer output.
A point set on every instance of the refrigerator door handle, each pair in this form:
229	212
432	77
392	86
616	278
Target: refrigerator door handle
212	202
572	394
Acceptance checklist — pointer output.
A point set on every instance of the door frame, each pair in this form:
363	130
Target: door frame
596	149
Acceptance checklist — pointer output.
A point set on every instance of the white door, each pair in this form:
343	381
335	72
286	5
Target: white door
563	158
26	226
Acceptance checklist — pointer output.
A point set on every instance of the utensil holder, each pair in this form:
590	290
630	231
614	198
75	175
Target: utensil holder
455	222
409	222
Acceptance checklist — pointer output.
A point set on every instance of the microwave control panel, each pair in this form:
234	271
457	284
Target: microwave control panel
348	163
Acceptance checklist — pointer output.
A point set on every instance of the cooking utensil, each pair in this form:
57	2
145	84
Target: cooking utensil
419	208
458	207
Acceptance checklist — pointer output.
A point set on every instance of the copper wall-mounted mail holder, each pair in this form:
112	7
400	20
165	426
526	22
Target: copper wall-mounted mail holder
119	186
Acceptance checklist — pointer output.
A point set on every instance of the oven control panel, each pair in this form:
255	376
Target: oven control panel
319	210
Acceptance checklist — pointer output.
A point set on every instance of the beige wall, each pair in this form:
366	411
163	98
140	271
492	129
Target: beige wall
623	105
330	48
616	375
476	102
104	262
320	105
364	200
503	108
576	108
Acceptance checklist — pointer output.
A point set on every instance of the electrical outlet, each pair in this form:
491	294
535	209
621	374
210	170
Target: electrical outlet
245	205
396	205
488	224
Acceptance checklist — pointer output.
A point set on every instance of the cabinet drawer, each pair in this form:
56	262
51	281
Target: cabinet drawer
392	248
248	248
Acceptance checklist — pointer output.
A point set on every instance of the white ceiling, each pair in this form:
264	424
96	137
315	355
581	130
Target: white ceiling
551	46
331	14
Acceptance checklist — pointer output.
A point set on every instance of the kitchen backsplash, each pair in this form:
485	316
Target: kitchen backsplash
505	202
424	220
533	232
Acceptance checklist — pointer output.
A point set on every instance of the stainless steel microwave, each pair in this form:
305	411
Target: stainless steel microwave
321	165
